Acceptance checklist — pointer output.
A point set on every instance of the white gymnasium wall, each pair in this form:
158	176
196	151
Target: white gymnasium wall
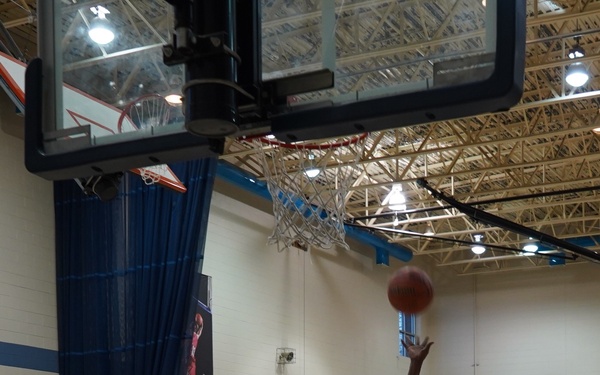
542	322
27	271
331	306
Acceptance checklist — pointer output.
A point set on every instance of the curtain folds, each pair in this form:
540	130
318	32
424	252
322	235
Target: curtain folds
127	271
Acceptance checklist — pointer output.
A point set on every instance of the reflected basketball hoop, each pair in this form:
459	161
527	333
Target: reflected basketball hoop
309	183
146	113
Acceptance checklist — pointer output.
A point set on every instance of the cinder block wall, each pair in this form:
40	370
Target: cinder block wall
27	266
330	306
540	322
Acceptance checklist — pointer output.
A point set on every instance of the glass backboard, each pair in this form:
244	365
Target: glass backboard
299	69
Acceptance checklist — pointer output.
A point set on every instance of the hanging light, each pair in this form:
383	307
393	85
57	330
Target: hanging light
101	30
530	247
174	99
576	52
477	248
312	171
577	75
396	199
429	231
396	220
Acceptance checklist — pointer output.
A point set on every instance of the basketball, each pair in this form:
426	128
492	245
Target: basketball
410	290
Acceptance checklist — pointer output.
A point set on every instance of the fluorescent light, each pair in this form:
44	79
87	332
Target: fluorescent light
396	199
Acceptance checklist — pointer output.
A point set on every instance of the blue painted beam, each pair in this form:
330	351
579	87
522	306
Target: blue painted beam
246	181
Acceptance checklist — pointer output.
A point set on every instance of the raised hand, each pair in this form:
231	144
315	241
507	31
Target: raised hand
417	352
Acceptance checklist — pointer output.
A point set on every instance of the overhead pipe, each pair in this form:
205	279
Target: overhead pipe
489	219
383	249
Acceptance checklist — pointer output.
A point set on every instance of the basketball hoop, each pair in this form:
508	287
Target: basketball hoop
308	183
145	114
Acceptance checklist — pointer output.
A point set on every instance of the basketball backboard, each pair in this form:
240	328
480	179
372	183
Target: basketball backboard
300	70
86	112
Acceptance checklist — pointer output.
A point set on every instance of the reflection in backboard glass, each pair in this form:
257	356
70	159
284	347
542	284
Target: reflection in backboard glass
108	81
379	47
375	48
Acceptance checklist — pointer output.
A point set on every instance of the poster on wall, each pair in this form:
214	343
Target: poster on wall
199	349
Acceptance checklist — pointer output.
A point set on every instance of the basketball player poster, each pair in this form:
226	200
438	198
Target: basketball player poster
198	351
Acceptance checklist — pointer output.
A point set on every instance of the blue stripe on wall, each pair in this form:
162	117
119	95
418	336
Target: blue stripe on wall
28	357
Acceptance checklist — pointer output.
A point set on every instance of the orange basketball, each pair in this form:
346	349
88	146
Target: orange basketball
410	290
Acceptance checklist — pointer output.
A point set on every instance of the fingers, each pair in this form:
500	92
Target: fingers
426	347
404	344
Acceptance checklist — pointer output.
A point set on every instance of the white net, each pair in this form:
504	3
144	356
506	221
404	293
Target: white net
309	184
152	174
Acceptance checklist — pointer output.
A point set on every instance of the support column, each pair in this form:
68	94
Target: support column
210	102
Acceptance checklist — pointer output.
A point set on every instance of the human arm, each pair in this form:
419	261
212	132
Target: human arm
417	352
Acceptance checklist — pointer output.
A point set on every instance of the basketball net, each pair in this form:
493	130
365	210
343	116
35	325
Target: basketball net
309	209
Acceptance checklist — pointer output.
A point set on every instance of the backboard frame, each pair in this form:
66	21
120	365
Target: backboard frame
501	90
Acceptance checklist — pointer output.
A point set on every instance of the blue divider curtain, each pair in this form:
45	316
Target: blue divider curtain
127	272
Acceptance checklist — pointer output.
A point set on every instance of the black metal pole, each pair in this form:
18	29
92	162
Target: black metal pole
210	100
497	221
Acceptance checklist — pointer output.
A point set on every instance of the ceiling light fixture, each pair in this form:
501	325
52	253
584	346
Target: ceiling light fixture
312	170
577	51
429	231
531	246
174	99
396	199
478	249
577	74
101	31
